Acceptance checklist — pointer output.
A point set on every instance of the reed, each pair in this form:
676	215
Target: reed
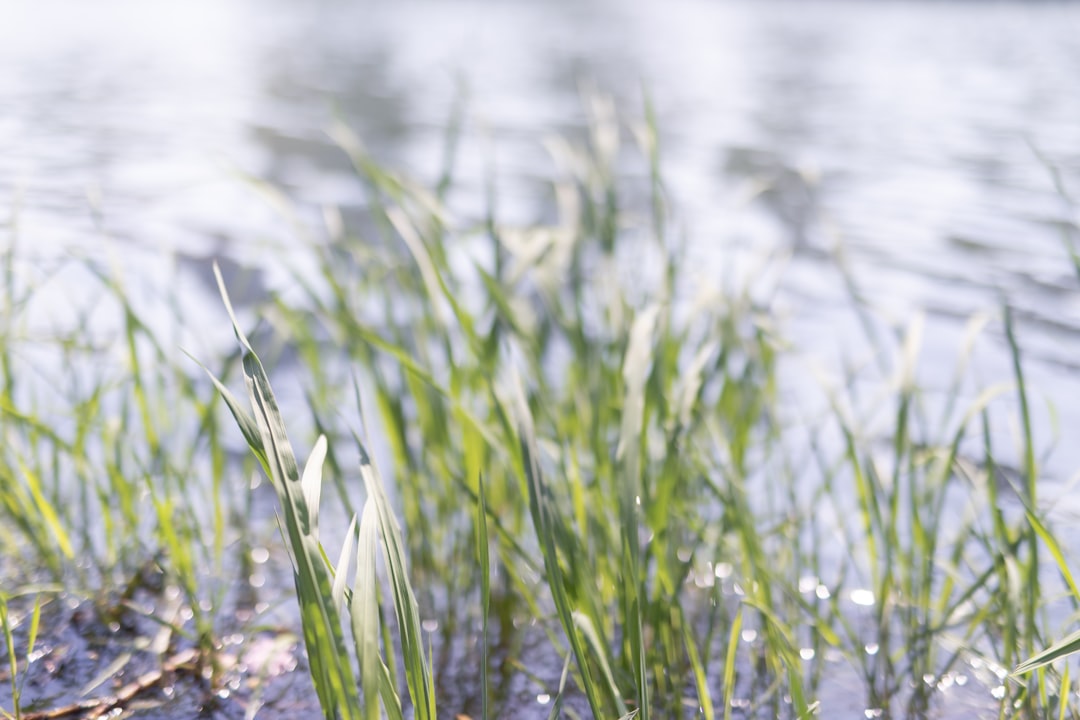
589	452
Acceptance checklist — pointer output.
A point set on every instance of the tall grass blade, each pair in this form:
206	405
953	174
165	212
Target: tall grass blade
701	680
635	373
729	662
544	523
1031	484
13	661
331	668
47	510
556	706
364	609
417	668
588	631
483	557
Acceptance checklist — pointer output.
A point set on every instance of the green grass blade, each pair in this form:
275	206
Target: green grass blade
244	419
35	624
483	557
544	523
701	680
556	706
47	511
390	699
311	484
588	631
13	663
1055	551
341	569
636	368
331	668
1063	648
417	669
364	610
729	662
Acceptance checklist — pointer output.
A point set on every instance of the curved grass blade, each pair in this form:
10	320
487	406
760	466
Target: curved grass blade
311	483
331	668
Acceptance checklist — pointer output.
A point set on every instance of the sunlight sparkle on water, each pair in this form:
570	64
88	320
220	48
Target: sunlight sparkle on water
862	597
706	579
543	698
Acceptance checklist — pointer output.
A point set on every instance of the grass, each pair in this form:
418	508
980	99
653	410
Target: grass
602	483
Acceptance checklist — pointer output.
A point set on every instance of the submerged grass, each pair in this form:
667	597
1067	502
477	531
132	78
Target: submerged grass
587	446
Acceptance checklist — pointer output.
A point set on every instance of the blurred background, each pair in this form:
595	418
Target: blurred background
916	142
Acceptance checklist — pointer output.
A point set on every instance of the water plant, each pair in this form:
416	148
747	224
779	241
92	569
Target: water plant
608	485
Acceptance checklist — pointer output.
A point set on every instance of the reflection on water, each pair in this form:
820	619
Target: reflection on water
904	132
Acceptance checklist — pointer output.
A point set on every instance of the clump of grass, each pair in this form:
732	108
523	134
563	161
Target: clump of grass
264	431
113	469
648	445
586	446
320	587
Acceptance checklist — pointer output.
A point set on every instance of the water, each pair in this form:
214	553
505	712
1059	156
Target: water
903	132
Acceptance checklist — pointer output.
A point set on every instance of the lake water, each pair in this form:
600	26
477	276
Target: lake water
920	137
905	132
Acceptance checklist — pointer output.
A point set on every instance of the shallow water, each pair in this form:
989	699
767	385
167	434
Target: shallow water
903	132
